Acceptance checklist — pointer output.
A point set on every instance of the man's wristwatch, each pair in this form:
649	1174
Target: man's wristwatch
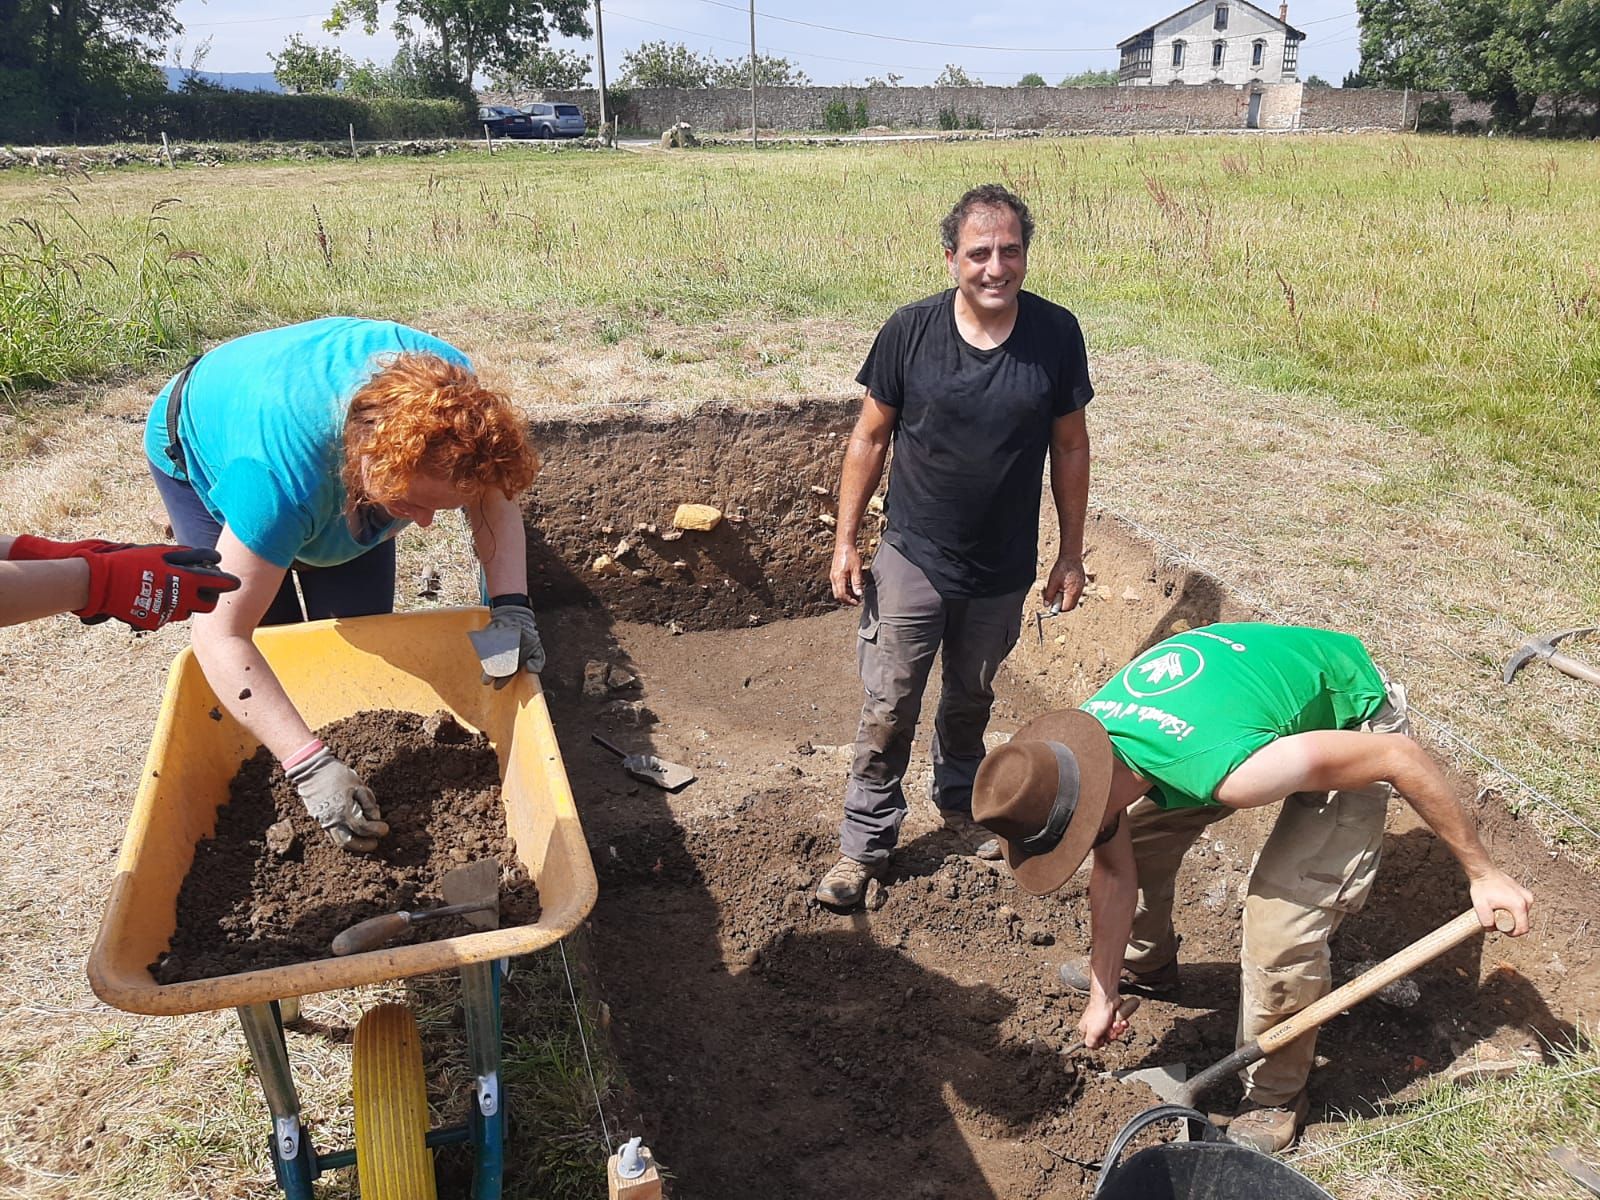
511	600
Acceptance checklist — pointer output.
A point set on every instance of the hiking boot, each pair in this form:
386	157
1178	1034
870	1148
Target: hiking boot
1160	984
974	838
1268	1130
846	882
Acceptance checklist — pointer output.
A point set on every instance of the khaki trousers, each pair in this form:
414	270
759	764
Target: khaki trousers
1318	864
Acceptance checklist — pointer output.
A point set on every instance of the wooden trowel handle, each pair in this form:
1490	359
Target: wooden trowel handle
371	933
1396	966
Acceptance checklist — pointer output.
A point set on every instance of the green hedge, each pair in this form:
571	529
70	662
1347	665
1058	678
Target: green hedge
264	116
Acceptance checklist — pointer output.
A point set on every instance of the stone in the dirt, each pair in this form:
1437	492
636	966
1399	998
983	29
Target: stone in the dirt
1179	626
619	680
828	519
604	565
647	528
1402	993
1041	937
280	838
818	490
594	679
1465	1074
1133	595
1216	896
624	548
629	712
443	727
672	535
700	517
877	895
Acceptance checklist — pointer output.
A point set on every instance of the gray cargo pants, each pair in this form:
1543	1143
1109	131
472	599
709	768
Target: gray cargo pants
903	623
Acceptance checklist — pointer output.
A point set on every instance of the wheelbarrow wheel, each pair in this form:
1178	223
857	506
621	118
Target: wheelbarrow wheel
392	1157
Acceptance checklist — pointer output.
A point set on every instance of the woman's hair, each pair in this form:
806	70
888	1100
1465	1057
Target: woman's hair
421	414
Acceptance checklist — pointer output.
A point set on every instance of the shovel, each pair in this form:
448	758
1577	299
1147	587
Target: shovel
1168	1082
647	768
472	892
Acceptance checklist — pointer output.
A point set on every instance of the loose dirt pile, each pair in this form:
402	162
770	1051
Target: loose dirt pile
270	888
776	1048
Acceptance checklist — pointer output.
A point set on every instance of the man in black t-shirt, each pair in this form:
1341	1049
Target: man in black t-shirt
974	387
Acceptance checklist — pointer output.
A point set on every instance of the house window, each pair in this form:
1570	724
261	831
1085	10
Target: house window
1222	17
1258	54
1177	55
1291	57
1218	49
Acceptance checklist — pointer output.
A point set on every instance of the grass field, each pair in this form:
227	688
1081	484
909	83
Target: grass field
1423	312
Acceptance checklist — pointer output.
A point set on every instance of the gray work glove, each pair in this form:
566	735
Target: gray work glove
340	802
505	622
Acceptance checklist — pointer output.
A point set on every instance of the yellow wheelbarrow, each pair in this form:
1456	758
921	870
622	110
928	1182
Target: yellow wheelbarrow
417	662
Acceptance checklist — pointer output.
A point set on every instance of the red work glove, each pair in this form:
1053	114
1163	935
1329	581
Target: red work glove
147	586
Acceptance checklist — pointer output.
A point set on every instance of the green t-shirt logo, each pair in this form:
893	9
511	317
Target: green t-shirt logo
1164	669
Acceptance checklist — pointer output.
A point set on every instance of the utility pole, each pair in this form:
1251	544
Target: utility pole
600	55
752	72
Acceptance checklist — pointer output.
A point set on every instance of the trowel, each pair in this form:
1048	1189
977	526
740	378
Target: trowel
1043	615
1169	1082
647	768
471	892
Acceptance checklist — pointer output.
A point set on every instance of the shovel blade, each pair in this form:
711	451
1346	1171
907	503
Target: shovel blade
475	883
658	772
1166	1082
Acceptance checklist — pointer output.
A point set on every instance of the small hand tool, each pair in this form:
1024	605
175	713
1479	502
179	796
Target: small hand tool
1129	1006
472	891
1044	614
648	768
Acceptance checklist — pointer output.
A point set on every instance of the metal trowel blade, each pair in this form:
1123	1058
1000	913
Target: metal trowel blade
658	771
475	883
498	649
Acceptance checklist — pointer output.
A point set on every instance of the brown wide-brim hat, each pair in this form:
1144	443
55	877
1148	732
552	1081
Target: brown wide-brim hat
1056	768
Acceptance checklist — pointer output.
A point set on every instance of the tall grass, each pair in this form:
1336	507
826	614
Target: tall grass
1447	284
73	304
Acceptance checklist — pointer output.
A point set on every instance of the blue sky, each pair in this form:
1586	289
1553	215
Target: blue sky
1060	39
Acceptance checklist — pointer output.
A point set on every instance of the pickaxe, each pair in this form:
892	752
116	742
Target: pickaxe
1545	648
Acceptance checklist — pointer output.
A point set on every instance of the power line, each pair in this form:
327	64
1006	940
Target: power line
889	37
611	8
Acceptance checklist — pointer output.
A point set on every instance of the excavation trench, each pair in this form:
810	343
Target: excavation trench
771	1047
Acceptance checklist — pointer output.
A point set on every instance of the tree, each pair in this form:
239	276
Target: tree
543	67
61	59
1575	43
954	76
418	71
1032	79
1405	43
1317	81
1355	79
466	36
665	64
888	80
771	71
1091	79
302	67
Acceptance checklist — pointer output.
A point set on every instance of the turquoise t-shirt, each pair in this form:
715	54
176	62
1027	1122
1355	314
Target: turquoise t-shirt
1191	709
262	428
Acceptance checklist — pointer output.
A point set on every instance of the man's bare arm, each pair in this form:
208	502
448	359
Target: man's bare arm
1337	759
1069	487
863	468
1113	894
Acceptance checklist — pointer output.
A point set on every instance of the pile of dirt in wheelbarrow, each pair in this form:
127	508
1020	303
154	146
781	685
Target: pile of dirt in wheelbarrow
270	888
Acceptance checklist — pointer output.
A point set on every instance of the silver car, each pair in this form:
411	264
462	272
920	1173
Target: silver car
556	120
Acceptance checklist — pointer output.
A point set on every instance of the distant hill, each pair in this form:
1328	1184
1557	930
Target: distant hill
242	81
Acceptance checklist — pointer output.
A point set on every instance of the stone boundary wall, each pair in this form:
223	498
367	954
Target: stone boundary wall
1284	106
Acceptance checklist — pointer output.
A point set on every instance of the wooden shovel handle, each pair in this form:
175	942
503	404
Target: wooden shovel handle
1425	949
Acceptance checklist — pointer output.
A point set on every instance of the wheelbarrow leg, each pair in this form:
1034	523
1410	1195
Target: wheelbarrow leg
293	1160
480	1000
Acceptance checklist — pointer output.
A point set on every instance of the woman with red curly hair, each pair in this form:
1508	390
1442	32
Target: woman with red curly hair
299	453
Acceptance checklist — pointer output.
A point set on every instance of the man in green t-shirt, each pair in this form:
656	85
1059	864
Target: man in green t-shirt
1208	721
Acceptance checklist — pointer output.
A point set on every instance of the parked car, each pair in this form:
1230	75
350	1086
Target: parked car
502	120
555	120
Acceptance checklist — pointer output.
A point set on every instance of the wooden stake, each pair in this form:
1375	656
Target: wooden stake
167	150
645	1187
488	141
352	140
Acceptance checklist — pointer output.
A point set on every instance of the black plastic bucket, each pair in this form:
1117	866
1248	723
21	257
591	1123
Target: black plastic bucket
1208	1168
